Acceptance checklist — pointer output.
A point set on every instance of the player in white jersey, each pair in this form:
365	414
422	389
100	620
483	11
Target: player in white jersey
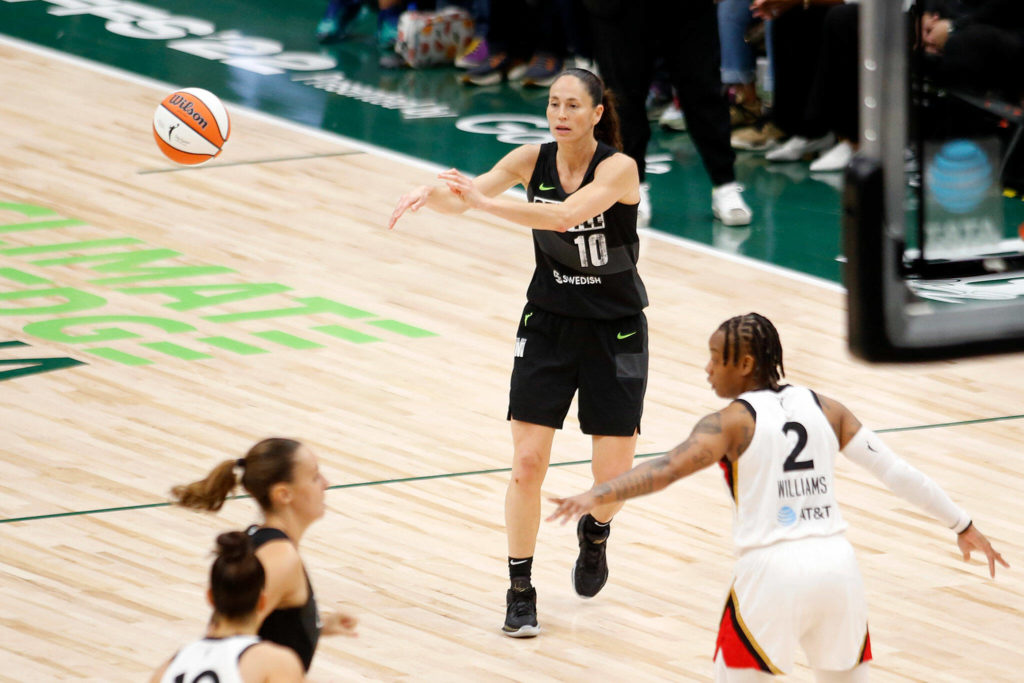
231	652
796	580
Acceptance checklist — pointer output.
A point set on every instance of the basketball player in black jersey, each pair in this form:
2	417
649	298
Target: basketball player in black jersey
583	328
284	478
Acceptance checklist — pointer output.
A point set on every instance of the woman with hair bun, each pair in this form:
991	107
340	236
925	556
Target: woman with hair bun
231	651
283	477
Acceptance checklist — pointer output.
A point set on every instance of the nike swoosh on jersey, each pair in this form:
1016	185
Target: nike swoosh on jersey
544	188
624	336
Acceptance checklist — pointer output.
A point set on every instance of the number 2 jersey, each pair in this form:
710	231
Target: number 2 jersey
782	486
590	270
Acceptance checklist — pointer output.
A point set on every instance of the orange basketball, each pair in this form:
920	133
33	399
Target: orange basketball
191	126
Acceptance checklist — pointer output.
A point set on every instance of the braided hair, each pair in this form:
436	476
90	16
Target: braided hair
753	333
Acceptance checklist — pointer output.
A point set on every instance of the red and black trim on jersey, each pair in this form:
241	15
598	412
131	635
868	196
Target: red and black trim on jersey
737	644
865	648
730	469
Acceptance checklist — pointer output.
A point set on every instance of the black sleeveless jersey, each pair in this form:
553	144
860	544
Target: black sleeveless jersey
294	627
590	270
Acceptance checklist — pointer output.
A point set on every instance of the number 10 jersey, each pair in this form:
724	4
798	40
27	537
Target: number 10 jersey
783	484
590	270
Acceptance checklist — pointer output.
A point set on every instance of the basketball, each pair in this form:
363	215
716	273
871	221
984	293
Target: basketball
191	126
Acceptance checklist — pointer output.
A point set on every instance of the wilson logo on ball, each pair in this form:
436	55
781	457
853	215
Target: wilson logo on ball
185	105
191	126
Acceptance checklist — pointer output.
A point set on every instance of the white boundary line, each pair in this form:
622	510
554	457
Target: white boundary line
369	148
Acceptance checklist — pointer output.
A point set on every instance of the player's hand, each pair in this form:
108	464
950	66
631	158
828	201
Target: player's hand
935	36
972	539
410	201
462	186
769	9
572	508
339	624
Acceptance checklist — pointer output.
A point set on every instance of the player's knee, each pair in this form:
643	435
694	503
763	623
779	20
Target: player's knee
529	468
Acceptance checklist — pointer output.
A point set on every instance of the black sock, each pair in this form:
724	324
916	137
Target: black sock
519	569
594	530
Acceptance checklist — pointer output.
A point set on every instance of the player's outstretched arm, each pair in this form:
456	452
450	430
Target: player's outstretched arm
616	179
716	435
863	446
514	169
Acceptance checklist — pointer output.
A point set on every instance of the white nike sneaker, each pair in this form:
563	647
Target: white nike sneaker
836	159
643	210
728	206
797	147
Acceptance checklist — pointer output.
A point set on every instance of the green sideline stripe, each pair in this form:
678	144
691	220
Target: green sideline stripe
118	356
289	340
6	344
402	328
182	352
452	475
22	277
346	333
233	345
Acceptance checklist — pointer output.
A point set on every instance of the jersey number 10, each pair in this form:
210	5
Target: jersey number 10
598	249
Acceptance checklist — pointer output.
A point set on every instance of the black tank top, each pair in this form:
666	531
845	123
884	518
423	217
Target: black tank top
590	270
294	627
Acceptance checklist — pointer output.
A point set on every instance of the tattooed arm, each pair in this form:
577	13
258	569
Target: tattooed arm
725	433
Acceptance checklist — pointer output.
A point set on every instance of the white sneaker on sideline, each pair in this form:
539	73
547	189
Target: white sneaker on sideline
672	119
728	206
836	159
643	209
797	147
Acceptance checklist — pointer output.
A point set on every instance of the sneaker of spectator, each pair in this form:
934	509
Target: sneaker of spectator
338	19
797	147
542	70
672	119
744	107
728	206
643	209
497	68
387	28
659	98
835	159
757	138
475	54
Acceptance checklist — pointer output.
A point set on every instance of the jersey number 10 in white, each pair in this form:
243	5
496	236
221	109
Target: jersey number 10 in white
598	249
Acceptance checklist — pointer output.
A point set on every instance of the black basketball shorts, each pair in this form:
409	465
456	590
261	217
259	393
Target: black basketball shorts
606	360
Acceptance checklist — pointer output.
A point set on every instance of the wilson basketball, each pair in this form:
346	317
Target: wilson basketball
191	126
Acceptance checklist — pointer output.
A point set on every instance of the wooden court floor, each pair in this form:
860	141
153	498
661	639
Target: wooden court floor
399	384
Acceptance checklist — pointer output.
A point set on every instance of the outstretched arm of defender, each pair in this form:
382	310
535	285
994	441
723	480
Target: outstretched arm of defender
863	446
713	437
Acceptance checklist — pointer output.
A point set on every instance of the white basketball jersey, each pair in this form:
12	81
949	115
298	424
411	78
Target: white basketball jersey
210	660
782	485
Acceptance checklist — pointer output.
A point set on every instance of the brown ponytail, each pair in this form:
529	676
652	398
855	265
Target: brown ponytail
209	493
269	462
607	129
